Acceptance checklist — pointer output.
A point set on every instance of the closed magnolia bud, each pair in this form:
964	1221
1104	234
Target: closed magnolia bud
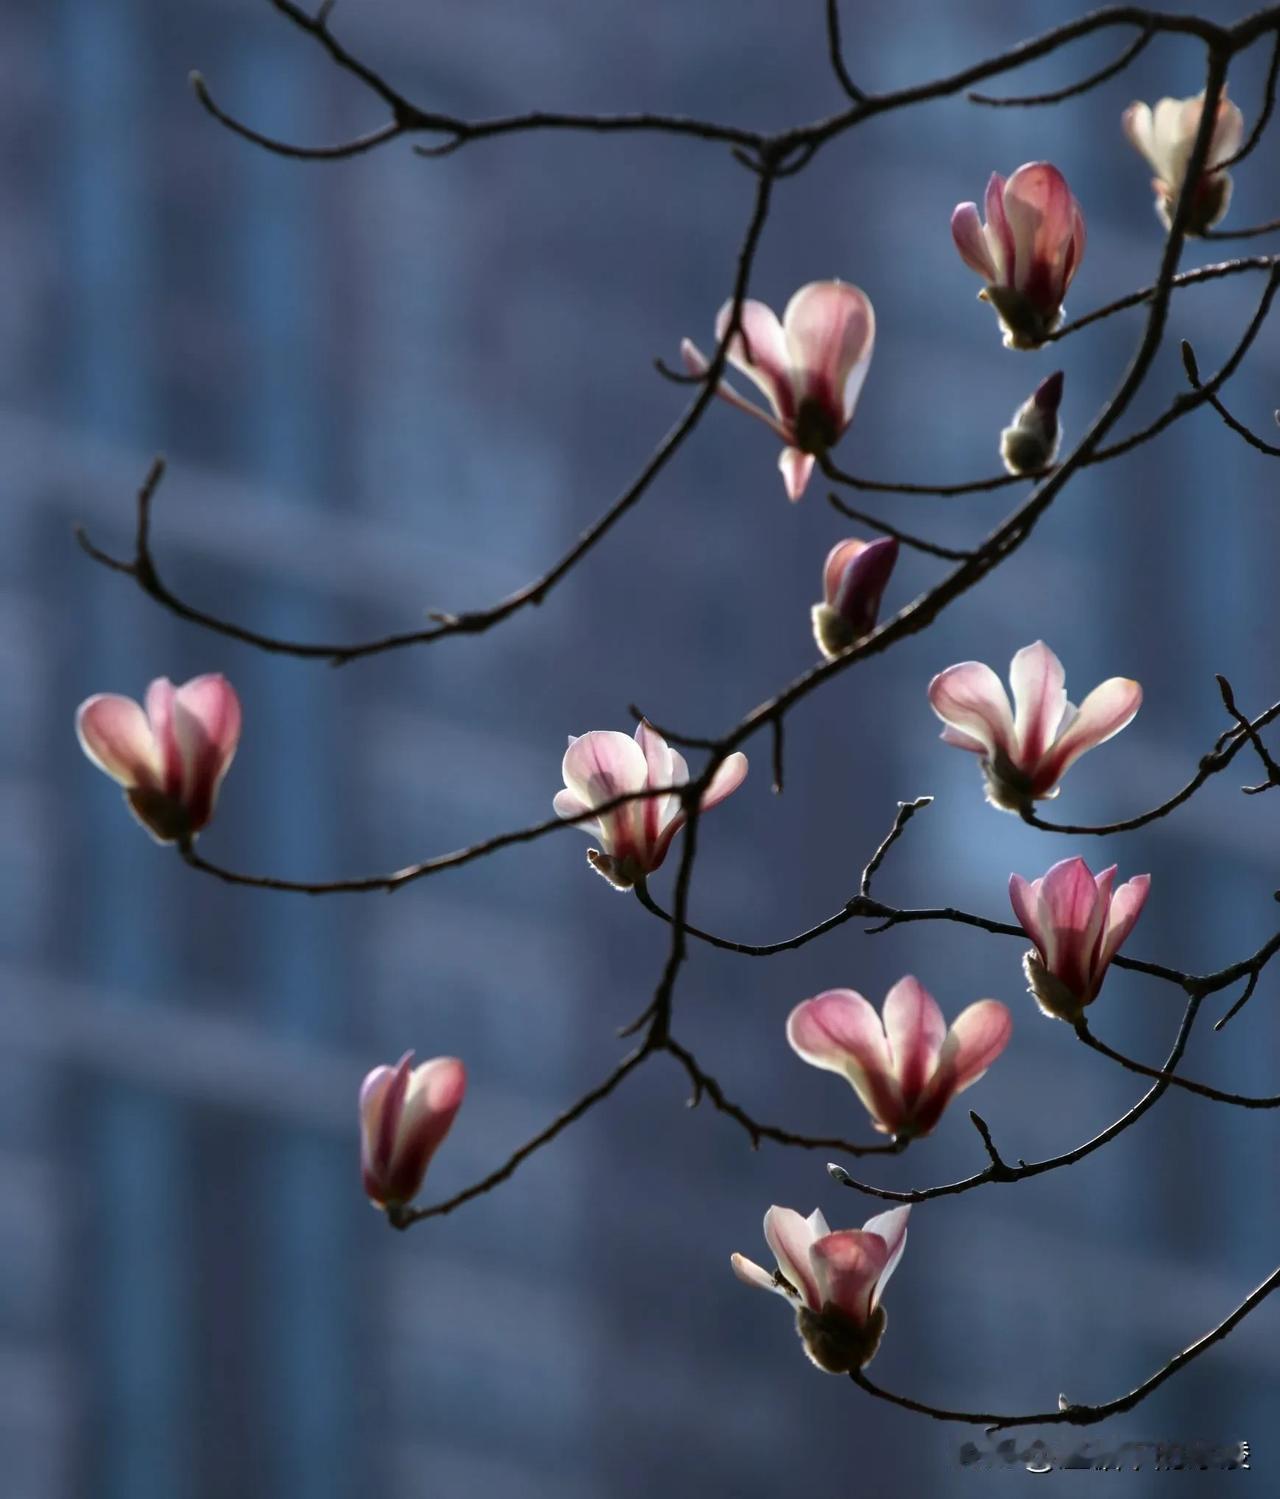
1030	443
169	753
854	578
405	1113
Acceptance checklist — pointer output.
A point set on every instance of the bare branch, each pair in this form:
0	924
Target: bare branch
1056	96
1068	1414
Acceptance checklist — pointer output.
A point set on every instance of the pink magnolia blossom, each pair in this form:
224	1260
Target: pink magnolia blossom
405	1113
809	367
1026	752
1030	442
635	836
1166	135
170	758
907	1068
836	1280
1027	251
854	579
1078	923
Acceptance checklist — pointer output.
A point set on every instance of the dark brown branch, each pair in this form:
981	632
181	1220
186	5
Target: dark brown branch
1264	118
835	50
1016	528
1193	376
1177	409
1056	96
142	567
412	872
704	1085
406	1217
906	811
1255	739
1255	232
1203	1090
340	151
1216	760
1067	1413
998	1170
931	548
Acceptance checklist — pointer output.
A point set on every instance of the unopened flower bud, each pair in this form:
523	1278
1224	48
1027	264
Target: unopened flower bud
1030	443
854	578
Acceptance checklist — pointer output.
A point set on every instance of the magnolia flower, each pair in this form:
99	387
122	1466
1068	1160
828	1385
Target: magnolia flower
809	367
909	1067
835	1279
1030	442
405	1113
606	764
1027	251
1026	752
1078	924
854	578
171	758
1165	137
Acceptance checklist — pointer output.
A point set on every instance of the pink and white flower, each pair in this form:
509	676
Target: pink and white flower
1166	135
635	836
405	1113
835	1280
907	1067
1028	250
809	367
171	757
854	579
1078	924
1027	750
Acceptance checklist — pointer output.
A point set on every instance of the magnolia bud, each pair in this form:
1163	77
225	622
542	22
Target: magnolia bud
854	578
1031	442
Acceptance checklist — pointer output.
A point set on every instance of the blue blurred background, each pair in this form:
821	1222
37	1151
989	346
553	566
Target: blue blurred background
391	385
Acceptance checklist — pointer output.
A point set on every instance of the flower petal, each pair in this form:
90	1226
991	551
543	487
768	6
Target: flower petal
113	731
1000	242
977	1036
1024	897
1071	918
1040	699
892	1228
971	241
1126	907
206	730
1137	125
970	698
847	1266
830	331
727	779
796	469
915	1030
840	1031
1107	709
1042	219
760	352
752	1274
788	1236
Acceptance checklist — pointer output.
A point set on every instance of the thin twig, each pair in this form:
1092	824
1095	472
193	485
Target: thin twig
1216	760
835	50
1067	1413
1056	96
1192	368
407	1217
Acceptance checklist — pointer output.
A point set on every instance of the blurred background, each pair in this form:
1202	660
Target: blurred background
392	385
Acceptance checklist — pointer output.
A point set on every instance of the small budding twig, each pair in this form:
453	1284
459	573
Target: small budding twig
1193	375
